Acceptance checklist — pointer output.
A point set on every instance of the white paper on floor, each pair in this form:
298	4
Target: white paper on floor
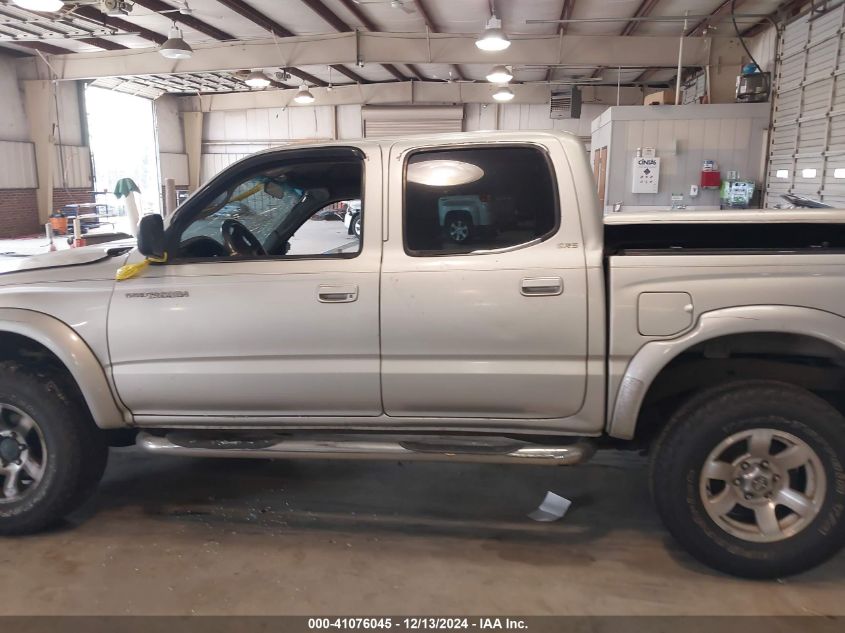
552	508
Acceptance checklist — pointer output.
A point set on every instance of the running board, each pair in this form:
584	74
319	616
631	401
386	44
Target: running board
404	448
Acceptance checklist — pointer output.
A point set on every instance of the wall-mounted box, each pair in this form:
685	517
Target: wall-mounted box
646	174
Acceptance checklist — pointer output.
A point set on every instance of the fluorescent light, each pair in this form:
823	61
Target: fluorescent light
175	47
503	93
493	38
257	79
444	173
304	95
46	6
500	75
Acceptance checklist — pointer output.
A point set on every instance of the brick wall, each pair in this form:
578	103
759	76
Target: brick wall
61	197
19	209
18	213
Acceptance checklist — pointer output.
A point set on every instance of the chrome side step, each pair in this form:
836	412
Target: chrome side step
402	448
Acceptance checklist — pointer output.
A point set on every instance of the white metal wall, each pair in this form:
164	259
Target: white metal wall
18	165
807	150
734	135
72	167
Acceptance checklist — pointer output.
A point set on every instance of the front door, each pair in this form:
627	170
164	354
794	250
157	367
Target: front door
268	306
484	305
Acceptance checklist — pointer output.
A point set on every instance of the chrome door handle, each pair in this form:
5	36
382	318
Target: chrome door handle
337	294
541	286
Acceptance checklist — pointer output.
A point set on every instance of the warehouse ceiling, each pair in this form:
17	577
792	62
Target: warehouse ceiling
84	27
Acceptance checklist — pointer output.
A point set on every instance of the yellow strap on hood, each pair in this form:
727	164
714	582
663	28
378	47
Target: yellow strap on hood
133	270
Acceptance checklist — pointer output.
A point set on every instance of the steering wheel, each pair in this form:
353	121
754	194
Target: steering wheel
240	240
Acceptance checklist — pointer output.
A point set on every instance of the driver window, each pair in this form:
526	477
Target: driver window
281	211
334	229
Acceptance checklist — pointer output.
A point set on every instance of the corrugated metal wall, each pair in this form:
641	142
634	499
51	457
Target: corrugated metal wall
18	161
806	152
72	167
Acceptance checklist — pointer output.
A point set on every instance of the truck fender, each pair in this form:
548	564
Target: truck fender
74	353
652	357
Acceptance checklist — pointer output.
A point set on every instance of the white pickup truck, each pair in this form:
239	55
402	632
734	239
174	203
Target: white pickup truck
714	339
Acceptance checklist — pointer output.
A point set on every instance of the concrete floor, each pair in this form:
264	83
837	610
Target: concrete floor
170	535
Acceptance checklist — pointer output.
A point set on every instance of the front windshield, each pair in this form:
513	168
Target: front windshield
260	203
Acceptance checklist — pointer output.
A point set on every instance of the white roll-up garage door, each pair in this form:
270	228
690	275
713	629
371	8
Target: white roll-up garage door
383	121
807	150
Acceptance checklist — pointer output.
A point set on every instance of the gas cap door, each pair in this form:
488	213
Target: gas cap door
664	313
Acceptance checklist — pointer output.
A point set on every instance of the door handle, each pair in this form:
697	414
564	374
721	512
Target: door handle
337	294
541	286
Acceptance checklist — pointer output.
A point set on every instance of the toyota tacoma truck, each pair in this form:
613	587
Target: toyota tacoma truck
714	340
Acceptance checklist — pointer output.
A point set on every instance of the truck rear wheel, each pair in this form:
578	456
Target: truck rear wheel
51	454
749	478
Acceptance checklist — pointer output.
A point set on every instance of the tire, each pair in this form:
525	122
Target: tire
64	447
459	227
757	537
357	226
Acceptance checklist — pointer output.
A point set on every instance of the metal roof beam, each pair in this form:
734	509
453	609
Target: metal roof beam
721	11
46	26
158	6
429	22
339	25
266	22
91	14
399	48
643	10
565	14
786	10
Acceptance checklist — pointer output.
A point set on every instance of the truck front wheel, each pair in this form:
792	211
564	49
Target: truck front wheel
51	454
749	478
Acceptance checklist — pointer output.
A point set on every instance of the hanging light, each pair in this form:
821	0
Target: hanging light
500	75
304	95
175	47
493	38
257	79
45	6
503	93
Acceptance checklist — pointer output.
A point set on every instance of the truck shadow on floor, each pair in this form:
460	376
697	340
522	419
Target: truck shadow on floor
611	513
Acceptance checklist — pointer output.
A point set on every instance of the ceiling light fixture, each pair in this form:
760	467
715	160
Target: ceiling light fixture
257	79
304	96
500	75
45	6
503	93
493	38
175	47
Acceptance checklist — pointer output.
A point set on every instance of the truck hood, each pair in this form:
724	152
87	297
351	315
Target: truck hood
69	257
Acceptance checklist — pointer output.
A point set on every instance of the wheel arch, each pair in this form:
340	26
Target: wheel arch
649	364
66	347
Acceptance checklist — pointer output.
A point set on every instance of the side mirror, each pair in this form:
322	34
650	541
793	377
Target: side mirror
151	235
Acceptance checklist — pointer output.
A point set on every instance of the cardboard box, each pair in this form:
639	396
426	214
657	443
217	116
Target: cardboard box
664	97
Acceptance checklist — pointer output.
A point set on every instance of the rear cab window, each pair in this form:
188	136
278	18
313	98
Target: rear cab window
462	201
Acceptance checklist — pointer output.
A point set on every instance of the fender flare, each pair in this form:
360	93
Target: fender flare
653	357
74	353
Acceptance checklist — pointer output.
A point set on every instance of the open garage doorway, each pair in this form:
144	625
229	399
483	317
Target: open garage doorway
121	129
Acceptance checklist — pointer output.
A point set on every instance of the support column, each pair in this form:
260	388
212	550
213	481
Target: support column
192	129
38	99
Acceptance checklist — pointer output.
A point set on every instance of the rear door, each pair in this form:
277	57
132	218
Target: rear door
494	325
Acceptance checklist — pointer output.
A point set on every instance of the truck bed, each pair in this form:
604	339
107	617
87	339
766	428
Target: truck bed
792	230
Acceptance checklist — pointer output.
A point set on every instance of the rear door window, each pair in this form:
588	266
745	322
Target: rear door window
461	201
